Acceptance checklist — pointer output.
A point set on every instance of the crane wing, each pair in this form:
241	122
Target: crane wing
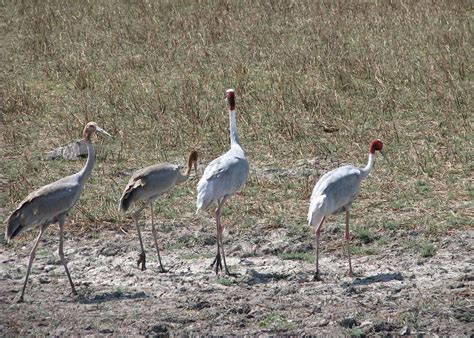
149	182
224	176
339	188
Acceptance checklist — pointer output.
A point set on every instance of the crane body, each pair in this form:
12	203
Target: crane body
223	177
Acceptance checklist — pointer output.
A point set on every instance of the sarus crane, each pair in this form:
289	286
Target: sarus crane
147	185
223	177
334	193
51	204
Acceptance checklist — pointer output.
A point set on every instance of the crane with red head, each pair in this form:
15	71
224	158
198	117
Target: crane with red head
334	193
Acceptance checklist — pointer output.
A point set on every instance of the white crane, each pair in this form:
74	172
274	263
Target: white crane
51	204
334	193
222	178
147	185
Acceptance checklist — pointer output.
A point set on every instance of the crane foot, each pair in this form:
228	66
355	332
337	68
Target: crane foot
214	261
353	274
19	300
317	277
217	262
142	260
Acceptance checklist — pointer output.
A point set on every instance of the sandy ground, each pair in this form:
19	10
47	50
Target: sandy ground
397	291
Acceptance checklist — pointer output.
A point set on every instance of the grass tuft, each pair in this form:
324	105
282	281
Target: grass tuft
427	250
276	322
366	235
226	281
363	250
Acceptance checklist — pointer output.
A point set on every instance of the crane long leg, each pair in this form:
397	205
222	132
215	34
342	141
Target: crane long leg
30	263
153	230
142	258
61	254
221	230
217	259
348	241
318	235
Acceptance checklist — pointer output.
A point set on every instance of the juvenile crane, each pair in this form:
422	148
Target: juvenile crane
222	178
147	185
334	194
51	204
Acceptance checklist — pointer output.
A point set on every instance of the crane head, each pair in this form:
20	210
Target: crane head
230	98
375	145
92	127
192	161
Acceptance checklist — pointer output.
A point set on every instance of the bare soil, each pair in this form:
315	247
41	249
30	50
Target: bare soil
396	292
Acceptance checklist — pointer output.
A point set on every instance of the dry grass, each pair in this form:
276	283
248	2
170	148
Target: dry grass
313	79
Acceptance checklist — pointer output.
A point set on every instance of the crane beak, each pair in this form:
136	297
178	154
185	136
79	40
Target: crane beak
386	159
102	131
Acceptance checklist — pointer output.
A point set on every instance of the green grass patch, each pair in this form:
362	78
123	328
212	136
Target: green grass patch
363	250
427	250
356	332
423	187
366	235
298	230
276	322
226	281
391	225
44	253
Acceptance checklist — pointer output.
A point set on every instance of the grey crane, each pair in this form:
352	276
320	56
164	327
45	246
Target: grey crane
51	204
334	193
147	185
222	178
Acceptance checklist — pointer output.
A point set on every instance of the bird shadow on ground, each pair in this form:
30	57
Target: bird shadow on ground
379	278
109	296
254	277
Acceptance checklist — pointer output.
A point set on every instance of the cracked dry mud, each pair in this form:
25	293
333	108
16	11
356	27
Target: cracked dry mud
397	292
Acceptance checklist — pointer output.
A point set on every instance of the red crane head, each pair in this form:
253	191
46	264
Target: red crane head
375	145
230	98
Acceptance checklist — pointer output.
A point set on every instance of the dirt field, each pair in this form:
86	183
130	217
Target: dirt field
397	292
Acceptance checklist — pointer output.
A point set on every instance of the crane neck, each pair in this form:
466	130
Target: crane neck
368	168
183	178
87	169
234	135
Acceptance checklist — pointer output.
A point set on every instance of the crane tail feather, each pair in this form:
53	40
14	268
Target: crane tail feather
203	202
316	209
